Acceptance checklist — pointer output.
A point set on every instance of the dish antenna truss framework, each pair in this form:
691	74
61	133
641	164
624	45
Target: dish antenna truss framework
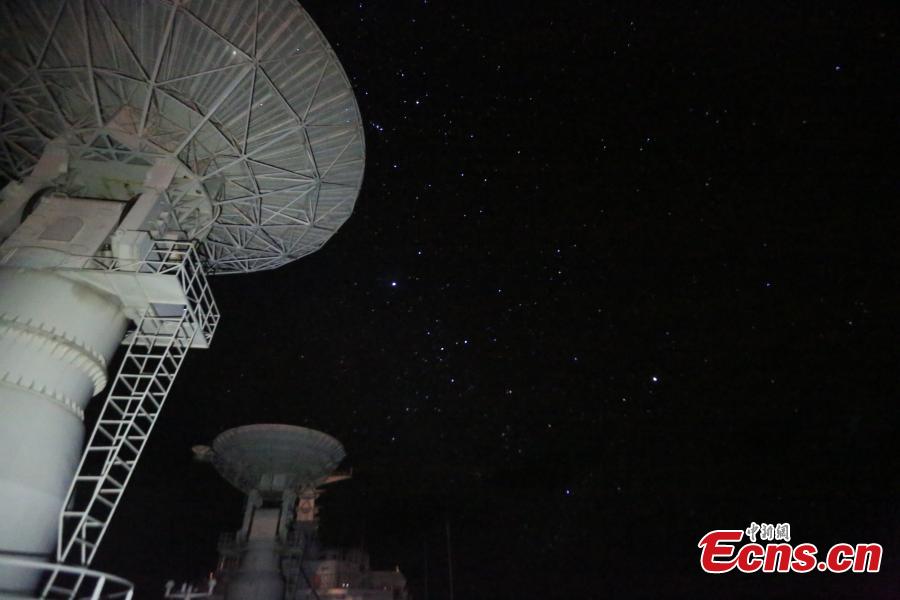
247	95
145	143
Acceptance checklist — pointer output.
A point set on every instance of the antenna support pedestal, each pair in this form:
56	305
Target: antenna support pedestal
56	339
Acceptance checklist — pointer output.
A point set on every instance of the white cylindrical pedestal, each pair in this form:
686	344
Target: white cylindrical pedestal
56	339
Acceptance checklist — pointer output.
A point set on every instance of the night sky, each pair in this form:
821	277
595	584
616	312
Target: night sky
620	274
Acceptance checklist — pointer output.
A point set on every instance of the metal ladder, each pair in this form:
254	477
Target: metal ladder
153	357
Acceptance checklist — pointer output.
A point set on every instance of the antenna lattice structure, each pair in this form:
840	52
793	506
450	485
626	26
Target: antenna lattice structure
247	95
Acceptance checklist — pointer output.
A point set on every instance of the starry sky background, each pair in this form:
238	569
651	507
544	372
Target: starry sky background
620	274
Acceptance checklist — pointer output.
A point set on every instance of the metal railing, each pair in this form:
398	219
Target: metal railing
71	581
179	259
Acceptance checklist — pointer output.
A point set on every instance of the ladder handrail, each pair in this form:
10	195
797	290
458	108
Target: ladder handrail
119	439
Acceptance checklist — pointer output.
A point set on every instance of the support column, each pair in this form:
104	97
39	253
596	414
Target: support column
259	576
56	339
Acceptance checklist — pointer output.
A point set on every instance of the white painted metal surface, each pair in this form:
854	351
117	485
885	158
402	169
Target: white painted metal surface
246	95
58	330
56	339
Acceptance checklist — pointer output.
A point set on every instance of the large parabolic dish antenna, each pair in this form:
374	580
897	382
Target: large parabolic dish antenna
273	458
247	95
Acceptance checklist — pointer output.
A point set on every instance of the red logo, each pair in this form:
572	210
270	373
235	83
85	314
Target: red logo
720	553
